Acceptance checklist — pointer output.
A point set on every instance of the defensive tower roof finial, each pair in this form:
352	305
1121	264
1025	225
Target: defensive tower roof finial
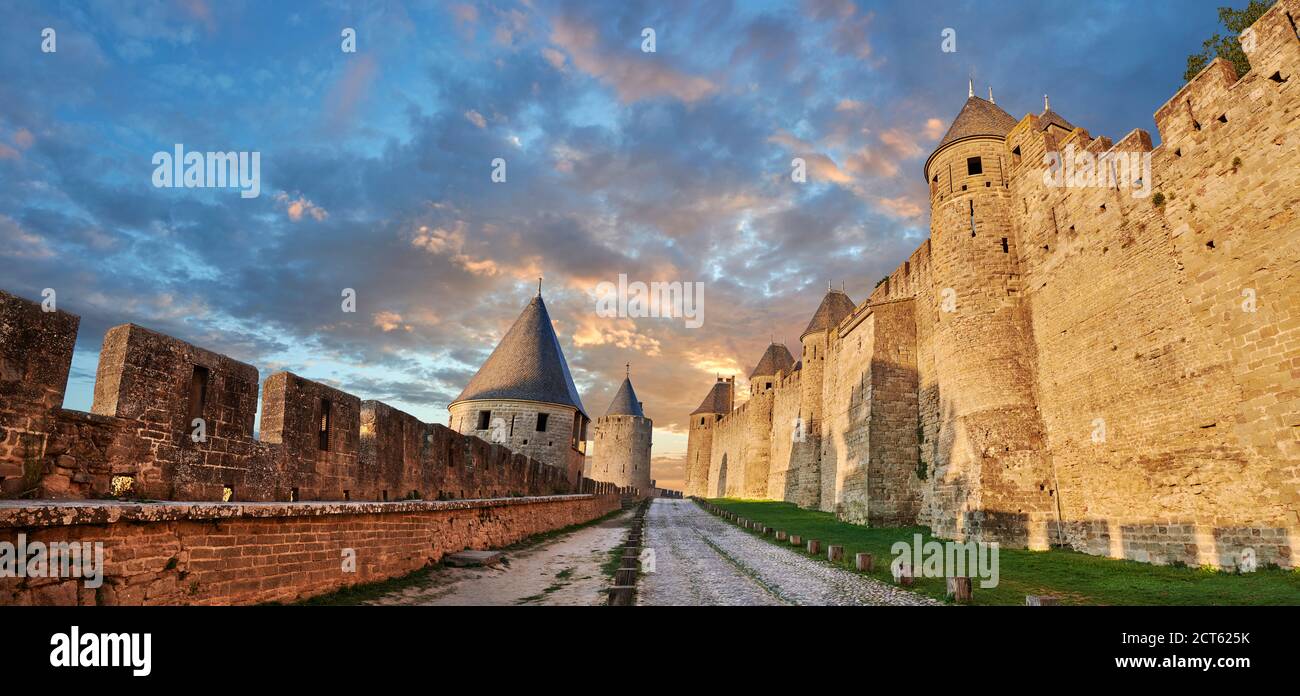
628	371
1047	106
991	95
970	88
539	286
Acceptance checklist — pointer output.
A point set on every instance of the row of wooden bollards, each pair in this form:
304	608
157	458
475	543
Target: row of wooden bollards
959	588
623	591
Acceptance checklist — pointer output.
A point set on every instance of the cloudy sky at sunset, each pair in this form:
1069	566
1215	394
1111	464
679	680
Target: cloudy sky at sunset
375	169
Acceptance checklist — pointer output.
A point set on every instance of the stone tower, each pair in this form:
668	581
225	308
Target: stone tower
776	360
805	484
622	442
699	439
523	396
991	453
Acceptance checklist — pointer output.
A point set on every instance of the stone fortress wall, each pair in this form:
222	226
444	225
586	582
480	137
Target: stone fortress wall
622	455
316	442
1119	375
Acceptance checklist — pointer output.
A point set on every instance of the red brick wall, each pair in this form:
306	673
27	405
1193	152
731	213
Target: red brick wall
214	553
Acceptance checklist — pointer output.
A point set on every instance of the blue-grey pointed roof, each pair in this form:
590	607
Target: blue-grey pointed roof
776	358
718	399
978	119
834	307
625	402
527	364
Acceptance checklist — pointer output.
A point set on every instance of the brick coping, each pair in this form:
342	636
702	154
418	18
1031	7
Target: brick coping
64	513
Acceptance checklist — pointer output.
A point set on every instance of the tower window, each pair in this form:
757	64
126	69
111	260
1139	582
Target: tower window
1004	245
484	419
541	422
1015	155
974	166
198	394
323	434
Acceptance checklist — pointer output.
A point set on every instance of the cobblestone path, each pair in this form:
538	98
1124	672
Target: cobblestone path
702	560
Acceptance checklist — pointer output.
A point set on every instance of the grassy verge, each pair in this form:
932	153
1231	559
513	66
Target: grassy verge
1075	577
356	594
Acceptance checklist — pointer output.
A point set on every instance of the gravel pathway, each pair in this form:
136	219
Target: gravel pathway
564	571
702	560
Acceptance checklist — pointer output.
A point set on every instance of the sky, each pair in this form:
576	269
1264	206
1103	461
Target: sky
376	170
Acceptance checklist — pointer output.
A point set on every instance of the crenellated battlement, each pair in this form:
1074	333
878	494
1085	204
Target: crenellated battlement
1095	348
173	421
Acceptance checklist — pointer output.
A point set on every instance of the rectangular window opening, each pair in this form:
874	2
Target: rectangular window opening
227	493
541	422
484	418
1005	249
974	166
323	433
198	395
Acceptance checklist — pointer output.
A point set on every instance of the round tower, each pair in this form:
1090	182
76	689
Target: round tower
623	441
991	479
805	453
699	438
776	359
523	396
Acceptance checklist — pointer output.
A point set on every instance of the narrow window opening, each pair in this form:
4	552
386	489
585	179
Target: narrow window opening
974	166
347	495
1223	118
1103	207
1294	29
484	417
1210	244
384	495
1195	124
1005	249
1015	155
198	395
227	494
293	495
972	217
1178	152
541	422
323	434
1277	77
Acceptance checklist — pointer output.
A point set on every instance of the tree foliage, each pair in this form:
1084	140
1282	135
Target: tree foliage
1227	47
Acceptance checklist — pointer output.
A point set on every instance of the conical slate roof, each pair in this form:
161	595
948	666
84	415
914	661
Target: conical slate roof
776	357
625	402
527	364
716	401
978	118
1049	118
834	307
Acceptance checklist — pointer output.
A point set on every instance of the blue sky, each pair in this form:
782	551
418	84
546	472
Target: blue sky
666	166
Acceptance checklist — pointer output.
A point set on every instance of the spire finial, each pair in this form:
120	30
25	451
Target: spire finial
1047	105
628	369
991	95
970	88
539	286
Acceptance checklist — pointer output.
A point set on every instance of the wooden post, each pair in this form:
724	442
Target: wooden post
780	536
814	546
621	595
863	562
795	540
959	589
834	553
903	574
1042	601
